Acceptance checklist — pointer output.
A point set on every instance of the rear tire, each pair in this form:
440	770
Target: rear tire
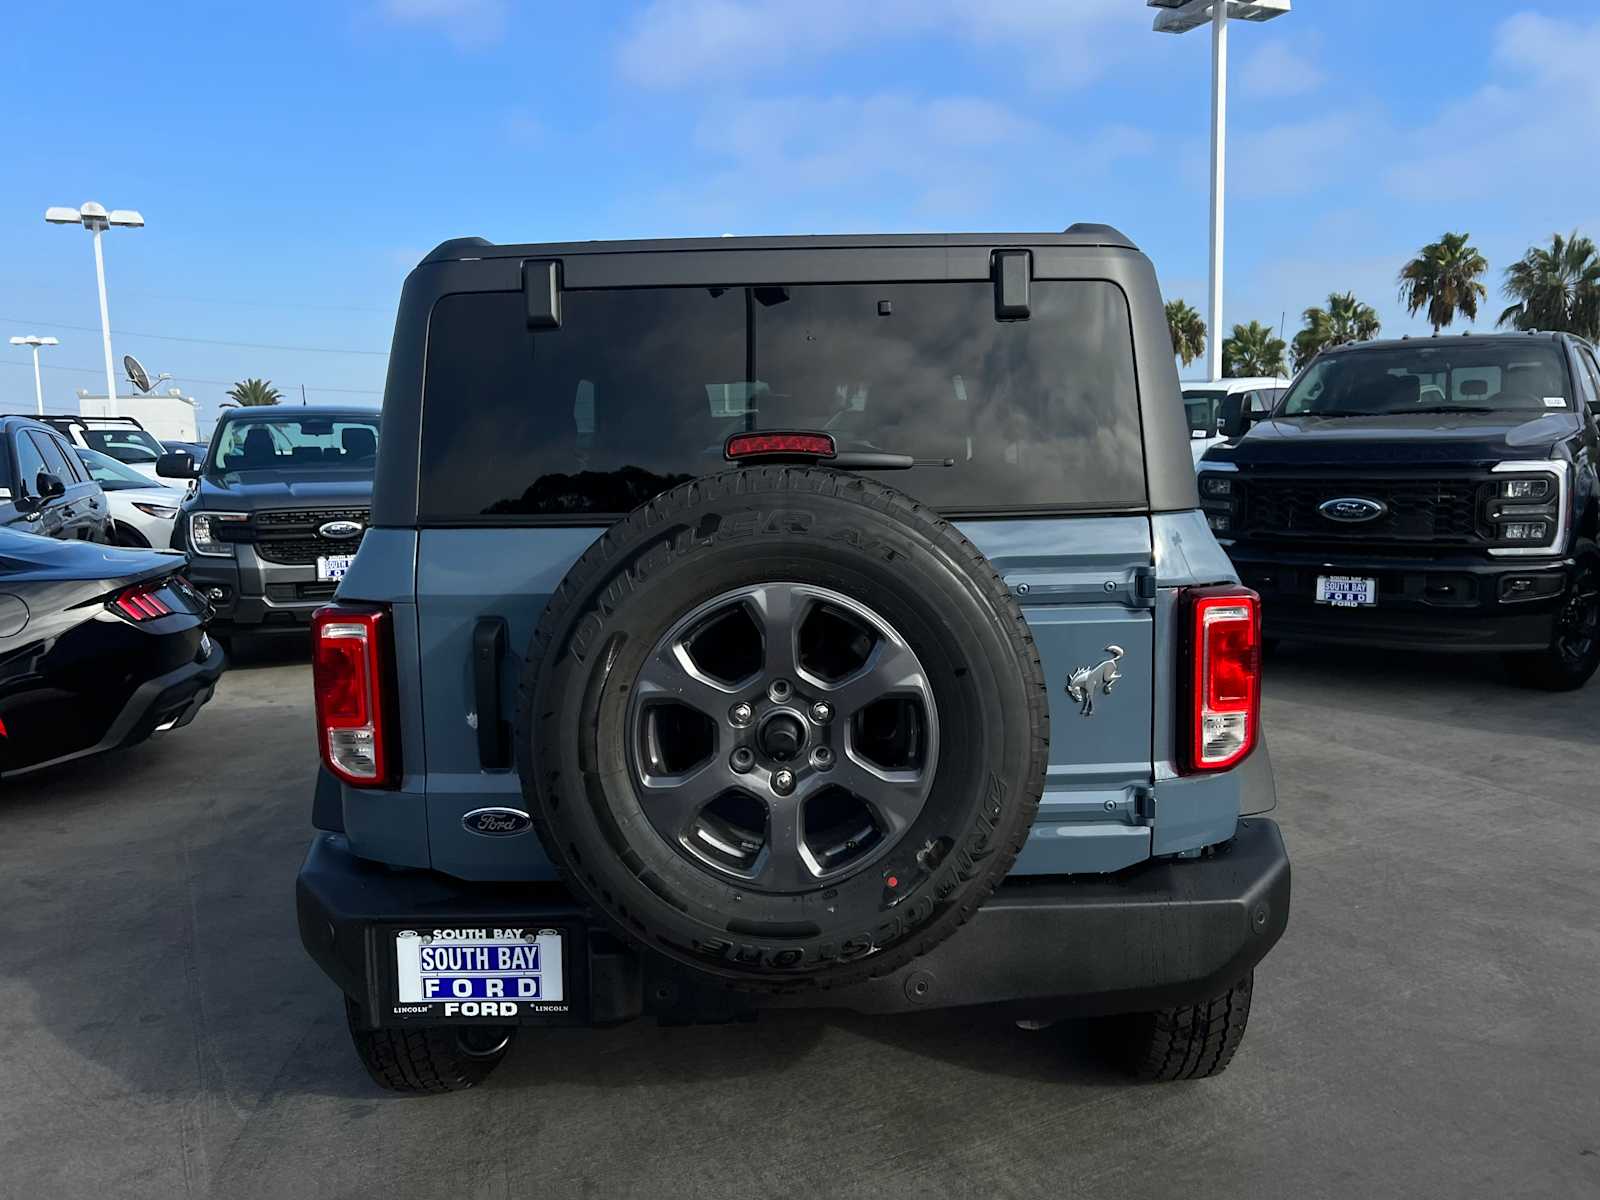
1574	651
427	1061
1189	1041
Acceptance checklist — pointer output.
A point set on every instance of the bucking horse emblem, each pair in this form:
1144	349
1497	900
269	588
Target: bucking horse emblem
1082	683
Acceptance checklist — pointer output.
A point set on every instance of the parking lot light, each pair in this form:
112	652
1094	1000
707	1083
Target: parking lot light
34	341
1180	16
96	220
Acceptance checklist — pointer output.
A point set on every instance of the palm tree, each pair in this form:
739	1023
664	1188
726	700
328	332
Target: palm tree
254	393
1346	319
1443	278
1252	350
1187	329
1556	289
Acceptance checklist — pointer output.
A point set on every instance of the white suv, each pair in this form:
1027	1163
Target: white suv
1202	400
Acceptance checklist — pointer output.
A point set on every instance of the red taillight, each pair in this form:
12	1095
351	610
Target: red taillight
791	445
351	653
140	602
1223	705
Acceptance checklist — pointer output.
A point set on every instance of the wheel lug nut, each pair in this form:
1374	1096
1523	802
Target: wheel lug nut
783	782
740	714
822	758
779	690
741	760
821	712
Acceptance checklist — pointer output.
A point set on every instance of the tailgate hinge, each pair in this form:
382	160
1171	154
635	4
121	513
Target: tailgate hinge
1144	805
1144	587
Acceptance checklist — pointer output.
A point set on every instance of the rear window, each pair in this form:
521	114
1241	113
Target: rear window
123	444
639	388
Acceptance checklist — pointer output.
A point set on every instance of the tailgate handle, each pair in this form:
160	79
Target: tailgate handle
488	649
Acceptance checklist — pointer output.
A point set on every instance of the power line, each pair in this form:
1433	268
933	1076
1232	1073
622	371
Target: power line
315	387
168	337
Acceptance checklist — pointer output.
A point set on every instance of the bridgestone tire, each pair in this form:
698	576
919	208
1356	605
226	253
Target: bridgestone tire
856	537
1191	1041
427	1061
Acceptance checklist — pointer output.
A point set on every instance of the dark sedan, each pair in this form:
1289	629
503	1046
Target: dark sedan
99	648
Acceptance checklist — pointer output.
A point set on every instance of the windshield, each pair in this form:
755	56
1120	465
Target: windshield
111	475
124	444
1428	377
347	443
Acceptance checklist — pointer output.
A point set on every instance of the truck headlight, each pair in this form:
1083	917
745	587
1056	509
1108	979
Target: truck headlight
204	528
1526	514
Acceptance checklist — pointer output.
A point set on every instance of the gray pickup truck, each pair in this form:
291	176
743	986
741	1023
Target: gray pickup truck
775	622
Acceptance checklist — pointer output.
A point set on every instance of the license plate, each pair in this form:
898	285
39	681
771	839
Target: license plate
332	567
1346	591
475	973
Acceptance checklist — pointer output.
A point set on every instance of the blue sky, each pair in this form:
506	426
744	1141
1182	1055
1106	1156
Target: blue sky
294	160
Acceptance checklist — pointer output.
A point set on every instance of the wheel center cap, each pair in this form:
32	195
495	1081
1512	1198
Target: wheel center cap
782	737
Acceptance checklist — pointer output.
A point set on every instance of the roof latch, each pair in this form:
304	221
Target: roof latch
1013	269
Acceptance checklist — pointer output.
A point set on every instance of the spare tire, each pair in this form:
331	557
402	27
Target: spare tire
784	725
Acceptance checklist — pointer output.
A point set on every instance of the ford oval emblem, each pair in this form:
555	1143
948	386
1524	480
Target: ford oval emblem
341	530
497	822
1352	508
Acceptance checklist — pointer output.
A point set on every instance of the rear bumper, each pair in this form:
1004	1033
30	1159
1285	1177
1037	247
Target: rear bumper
166	702
1456	604
1160	934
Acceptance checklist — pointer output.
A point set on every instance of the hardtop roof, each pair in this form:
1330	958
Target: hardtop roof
1081	234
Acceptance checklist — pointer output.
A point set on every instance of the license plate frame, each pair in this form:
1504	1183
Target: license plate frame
1346	591
331	568
562	989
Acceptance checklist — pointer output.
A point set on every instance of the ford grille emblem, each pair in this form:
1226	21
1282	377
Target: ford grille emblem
342	530
1352	508
497	822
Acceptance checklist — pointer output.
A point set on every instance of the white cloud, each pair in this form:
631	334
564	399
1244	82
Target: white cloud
886	161
1514	146
1276	69
679	43
1298	157
467	23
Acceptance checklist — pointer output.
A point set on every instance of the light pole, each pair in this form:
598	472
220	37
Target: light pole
96	220
35	341
1180	16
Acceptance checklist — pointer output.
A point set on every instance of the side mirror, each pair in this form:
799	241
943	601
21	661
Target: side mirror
48	486
1234	415
177	465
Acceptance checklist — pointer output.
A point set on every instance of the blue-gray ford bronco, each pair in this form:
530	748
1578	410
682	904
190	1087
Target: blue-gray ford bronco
770	622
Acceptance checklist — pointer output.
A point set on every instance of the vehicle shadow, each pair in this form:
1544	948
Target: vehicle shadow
1459	695
247	651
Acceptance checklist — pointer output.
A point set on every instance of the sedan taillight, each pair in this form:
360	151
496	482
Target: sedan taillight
140	602
1222	707
351	659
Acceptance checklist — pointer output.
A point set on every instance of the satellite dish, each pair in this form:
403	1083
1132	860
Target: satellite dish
137	375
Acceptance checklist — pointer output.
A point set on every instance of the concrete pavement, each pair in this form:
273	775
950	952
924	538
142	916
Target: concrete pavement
1426	1028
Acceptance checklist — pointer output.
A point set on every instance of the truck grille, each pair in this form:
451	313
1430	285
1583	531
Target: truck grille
1442	511
289	536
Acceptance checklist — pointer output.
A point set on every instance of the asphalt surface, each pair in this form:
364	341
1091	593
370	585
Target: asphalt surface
1426	1028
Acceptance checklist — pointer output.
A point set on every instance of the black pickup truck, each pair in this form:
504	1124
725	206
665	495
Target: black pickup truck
1435	493
276	512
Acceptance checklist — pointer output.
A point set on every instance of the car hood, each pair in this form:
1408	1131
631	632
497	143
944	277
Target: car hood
1457	439
30	558
250	491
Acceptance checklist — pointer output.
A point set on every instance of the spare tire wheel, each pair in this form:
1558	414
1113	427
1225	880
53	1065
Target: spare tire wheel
784	725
